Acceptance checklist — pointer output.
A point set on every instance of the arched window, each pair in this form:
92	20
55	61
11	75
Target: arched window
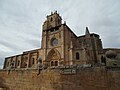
32	60
52	63
25	65
51	19
12	63
18	63
77	56
56	63
103	59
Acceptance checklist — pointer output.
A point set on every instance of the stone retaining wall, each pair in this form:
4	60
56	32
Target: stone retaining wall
55	79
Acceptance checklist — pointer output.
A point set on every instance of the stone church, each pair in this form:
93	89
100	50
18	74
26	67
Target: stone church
60	47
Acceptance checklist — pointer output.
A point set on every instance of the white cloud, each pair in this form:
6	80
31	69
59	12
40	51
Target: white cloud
6	49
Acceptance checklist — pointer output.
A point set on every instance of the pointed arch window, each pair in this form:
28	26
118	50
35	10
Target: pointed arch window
77	56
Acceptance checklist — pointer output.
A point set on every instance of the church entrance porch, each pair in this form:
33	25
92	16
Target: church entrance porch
53	58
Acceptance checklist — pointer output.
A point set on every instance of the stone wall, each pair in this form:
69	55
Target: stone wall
54	79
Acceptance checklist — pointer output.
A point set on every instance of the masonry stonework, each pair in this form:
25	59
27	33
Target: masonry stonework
87	79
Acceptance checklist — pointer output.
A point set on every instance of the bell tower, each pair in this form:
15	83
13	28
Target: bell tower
52	21
50	25
52	39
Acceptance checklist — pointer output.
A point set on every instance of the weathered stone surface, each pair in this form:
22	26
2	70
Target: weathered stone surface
87	79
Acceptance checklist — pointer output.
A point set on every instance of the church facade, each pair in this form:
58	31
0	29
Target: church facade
60	46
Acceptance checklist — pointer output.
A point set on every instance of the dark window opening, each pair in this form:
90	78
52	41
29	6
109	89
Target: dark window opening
52	30
18	63
25	65
77	56
57	28
33	61
103	60
51	19
52	63
56	63
114	64
12	63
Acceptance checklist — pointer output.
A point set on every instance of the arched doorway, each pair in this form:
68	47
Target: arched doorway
53	57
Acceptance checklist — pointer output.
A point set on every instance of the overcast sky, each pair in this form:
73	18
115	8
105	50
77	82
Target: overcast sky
21	22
